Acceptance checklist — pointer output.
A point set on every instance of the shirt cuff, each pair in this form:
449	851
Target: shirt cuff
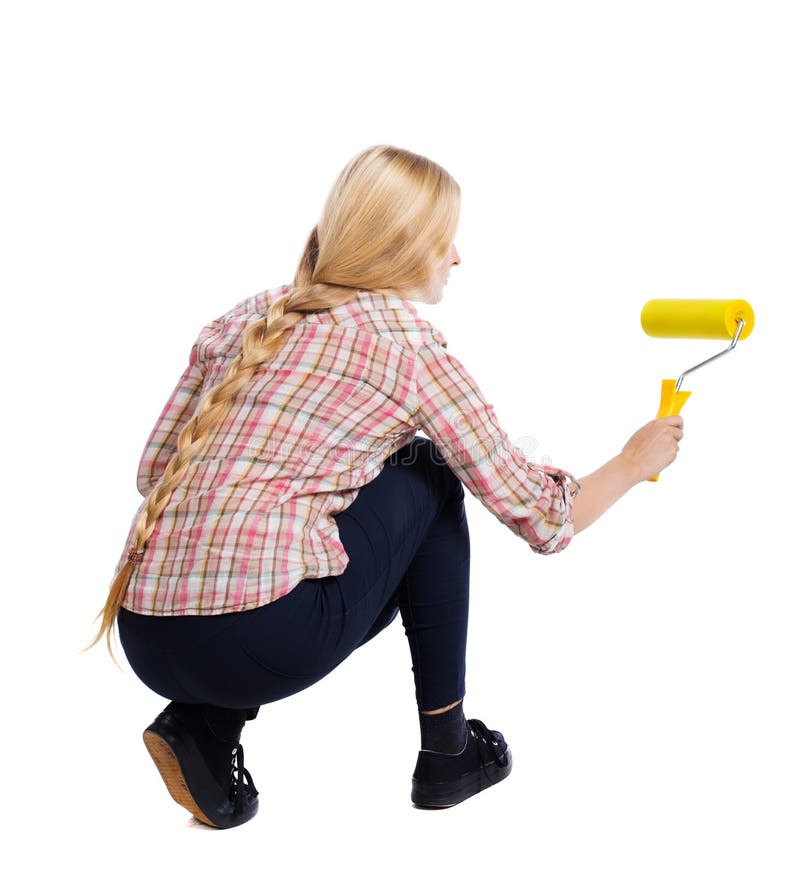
569	489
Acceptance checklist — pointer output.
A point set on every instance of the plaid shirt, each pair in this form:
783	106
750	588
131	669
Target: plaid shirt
253	515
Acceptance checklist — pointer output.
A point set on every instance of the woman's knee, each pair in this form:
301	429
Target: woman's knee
432	457
423	452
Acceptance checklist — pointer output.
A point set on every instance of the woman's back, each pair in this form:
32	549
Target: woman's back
252	516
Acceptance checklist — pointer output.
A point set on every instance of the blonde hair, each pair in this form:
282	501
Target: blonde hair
388	221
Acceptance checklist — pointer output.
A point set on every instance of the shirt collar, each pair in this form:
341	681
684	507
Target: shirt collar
372	300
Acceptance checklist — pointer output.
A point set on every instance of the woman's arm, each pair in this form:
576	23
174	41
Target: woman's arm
601	489
533	501
647	452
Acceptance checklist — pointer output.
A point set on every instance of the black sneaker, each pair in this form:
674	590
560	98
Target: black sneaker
190	780
442	780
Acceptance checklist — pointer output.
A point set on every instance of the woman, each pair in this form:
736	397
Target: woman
290	510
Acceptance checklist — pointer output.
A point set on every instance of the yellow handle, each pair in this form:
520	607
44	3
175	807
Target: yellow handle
671	404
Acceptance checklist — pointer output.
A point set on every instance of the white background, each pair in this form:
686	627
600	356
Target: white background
164	160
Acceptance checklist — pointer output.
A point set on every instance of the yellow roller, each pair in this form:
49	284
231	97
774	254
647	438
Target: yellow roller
708	318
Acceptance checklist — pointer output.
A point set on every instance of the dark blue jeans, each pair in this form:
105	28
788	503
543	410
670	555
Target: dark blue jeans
407	540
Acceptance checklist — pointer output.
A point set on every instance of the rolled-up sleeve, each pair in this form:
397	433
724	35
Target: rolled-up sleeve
534	501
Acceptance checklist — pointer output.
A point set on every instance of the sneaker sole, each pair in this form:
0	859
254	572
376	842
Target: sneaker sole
170	770
446	794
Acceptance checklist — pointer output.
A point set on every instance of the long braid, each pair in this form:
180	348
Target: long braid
260	341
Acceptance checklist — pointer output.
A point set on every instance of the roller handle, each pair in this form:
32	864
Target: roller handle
671	404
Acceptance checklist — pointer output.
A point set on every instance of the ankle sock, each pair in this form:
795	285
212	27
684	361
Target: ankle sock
445	732
216	731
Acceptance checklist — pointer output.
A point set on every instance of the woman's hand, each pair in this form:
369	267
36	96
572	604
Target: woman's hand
654	446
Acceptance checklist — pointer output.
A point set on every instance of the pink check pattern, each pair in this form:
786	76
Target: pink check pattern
253	515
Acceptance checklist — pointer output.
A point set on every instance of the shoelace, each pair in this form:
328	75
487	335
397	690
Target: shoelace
490	747
237	780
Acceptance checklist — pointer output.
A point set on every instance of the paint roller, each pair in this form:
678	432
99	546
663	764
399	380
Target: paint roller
709	318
